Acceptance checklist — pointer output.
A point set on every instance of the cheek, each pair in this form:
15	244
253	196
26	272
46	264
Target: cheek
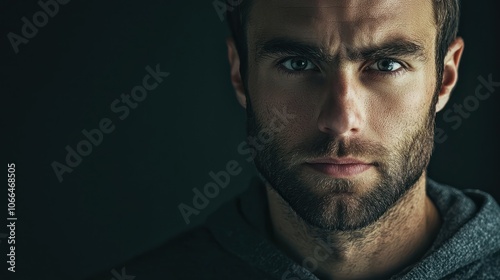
272	87
403	109
270	92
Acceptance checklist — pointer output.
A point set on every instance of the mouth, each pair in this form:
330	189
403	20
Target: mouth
339	167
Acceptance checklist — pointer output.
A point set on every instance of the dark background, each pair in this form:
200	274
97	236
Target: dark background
123	198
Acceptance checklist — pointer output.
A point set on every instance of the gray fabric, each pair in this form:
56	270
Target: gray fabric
234	243
467	246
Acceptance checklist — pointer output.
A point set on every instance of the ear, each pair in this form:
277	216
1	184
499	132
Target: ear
450	72
234	64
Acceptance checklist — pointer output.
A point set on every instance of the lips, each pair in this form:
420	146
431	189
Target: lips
339	167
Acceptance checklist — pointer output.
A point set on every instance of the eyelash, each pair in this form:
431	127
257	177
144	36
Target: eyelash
400	71
284	70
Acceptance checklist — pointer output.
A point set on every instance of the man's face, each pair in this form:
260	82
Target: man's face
359	77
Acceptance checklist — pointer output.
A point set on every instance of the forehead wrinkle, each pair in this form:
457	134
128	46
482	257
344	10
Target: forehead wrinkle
337	29
349	10
334	27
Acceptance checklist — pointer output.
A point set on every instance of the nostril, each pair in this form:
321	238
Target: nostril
339	122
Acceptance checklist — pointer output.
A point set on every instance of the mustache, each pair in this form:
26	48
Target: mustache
328	146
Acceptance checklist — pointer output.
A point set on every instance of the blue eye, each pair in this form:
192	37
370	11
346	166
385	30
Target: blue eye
385	65
298	64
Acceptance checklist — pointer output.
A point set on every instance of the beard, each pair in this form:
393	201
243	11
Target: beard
339	204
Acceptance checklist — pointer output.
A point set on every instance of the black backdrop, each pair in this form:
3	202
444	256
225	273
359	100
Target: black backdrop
123	197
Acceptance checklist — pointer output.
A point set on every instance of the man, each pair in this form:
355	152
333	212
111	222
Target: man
357	85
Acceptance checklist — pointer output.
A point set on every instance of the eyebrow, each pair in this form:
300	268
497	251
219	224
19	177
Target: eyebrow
287	46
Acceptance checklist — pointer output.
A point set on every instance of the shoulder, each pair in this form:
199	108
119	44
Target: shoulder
194	254
449	198
490	267
487	268
217	249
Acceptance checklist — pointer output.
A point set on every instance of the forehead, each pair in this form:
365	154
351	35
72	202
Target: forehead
339	24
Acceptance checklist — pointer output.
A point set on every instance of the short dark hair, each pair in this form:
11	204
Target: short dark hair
446	14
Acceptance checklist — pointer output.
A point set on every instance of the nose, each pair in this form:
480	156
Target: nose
342	113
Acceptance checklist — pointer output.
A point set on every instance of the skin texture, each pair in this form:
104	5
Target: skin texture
344	104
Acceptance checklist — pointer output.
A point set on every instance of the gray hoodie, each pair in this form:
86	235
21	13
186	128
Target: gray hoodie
467	246
234	243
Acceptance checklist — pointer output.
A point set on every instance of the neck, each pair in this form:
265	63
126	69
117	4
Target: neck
398	239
